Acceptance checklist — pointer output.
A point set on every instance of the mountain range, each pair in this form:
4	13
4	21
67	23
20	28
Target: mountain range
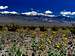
36	20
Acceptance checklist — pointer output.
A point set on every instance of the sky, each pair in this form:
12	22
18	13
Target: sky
39	5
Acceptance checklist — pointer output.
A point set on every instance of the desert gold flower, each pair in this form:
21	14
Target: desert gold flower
41	45
65	38
33	32
41	35
49	42
45	33
65	44
58	46
64	35
54	32
51	36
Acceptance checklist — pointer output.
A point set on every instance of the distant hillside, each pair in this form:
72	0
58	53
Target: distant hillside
35	20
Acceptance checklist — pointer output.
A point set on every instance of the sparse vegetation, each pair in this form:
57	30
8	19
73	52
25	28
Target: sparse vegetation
23	40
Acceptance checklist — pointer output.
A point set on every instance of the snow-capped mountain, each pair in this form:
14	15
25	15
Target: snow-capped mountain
35	18
46	16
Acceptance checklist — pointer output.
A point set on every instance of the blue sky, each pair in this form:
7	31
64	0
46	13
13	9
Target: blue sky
40	5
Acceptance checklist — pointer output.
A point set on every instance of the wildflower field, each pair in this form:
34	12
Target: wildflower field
18	40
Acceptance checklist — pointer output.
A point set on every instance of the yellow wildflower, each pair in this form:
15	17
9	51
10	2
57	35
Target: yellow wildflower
54	32
65	38
58	46
64	35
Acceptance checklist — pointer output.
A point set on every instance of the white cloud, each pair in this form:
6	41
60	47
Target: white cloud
73	13
41	14
65	13
48	12
50	15
30	13
7	12
13	12
26	13
3	7
33	13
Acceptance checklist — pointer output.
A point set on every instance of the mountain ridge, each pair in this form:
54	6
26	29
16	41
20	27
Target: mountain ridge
36	20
